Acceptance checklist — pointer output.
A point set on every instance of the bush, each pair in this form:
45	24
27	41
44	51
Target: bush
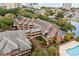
39	52
77	39
69	36
53	51
6	22
60	15
25	13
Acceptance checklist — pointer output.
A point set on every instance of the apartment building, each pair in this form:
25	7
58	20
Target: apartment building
67	5
13	5
10	5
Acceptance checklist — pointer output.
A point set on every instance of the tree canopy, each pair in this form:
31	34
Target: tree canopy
6	21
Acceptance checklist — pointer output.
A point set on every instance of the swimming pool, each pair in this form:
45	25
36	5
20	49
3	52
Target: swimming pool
73	51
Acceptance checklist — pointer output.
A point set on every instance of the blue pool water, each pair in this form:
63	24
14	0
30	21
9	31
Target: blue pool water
73	51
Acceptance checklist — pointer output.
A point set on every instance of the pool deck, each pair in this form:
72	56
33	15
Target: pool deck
63	48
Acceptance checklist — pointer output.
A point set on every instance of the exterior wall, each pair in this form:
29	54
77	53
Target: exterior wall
13	5
67	5
3	5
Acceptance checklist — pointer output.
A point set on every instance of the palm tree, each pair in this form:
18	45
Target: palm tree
69	36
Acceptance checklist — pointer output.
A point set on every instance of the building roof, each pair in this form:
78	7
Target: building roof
23	20
35	30
49	28
42	23
61	33
12	40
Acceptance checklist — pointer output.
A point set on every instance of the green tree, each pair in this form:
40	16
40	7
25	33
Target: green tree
50	12
4	26
13	11
65	25
45	8
6	22
60	15
70	16
69	36
3	11
53	51
25	13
